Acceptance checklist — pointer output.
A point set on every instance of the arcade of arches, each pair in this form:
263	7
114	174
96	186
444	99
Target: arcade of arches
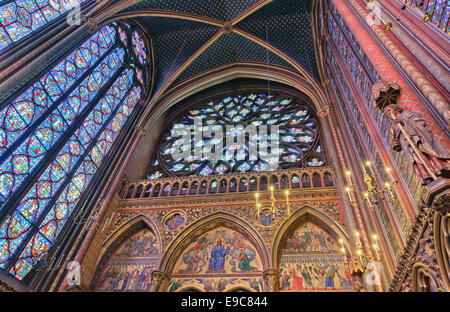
215	146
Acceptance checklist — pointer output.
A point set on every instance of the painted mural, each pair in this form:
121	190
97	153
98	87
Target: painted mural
131	265
218	260
311	261
174	221
216	284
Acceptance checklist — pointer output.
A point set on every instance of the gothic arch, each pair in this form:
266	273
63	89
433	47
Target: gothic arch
442	244
198	228
424	280
119	236
189	289
300	216
240	289
230	72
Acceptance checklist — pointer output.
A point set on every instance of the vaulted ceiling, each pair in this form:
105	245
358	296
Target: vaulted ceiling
194	36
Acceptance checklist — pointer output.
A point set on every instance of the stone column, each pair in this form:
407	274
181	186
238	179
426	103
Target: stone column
160	281
271	280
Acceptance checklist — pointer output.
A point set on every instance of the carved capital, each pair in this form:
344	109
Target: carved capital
91	22
324	112
160	280
271	280
141	130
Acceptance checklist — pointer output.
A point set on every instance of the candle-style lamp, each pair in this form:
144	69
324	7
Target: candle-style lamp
376	247
258	205
272	198
348	173
389	189
360	251
368	176
391	176
341	241
273	207
368	200
348	190
288	206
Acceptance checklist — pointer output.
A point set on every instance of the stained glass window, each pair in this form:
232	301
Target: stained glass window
139	47
20	18
299	139
54	137
438	10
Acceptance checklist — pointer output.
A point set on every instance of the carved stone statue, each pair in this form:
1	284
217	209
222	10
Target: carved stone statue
431	160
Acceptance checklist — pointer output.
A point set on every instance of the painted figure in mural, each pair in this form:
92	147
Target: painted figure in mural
221	284
285	279
239	241
436	158
150	246
218	254
244	261
121	274
193	261
174	222
266	218
329	277
306	273
196	257
297	280
208	284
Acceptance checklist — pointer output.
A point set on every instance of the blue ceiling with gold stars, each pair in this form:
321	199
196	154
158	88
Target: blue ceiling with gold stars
175	41
283	24
224	10
231	48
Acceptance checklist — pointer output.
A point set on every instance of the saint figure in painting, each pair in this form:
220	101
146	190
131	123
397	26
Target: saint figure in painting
218	254
297	280
244	261
285	280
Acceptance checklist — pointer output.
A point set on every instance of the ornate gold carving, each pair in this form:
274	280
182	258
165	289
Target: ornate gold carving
420	248
227	27
324	112
271	279
159	280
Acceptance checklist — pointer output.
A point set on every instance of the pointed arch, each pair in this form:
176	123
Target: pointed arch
300	216
118	237
200	227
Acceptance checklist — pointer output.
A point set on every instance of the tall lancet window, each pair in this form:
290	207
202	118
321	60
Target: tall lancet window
298	137
55	134
21	18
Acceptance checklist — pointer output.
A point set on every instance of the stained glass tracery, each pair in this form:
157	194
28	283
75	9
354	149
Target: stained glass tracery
20	18
298	135
33	149
74	112
139	47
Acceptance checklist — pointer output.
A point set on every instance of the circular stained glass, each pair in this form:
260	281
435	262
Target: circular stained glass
209	153
139	47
